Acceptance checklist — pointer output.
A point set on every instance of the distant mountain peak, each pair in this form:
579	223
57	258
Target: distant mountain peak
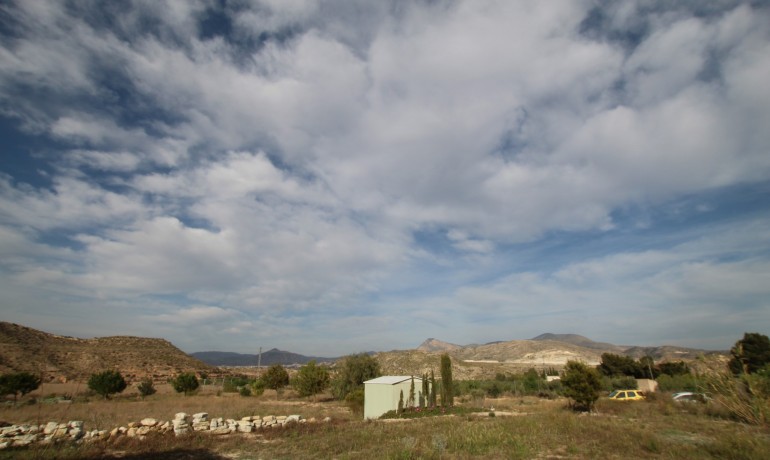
434	345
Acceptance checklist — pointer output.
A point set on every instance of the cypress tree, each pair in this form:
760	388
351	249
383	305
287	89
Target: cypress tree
432	398
447	392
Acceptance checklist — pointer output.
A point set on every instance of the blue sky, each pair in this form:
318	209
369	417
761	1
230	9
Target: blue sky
330	177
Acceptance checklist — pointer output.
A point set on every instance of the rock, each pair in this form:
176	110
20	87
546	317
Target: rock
24	440
5	445
180	416
131	432
60	431
50	428
327	419
143	430
201	416
148	422
221	430
75	424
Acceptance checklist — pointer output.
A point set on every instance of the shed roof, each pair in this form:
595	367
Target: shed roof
391	379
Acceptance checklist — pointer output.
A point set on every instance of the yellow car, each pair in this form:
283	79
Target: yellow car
626	395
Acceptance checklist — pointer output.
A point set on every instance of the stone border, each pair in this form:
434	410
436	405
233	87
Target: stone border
182	424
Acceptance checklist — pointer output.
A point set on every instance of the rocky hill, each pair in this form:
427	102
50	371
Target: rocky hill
581	341
61	358
544	351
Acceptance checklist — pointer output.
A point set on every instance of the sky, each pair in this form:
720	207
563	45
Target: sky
331	177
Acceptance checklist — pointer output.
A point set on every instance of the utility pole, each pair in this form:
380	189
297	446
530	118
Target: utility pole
259	360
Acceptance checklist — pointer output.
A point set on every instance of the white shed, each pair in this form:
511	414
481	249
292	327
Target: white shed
383	393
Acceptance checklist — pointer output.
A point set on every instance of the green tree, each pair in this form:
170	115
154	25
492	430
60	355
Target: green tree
616	365
432	397
425	395
581	384
107	383
401	402
447	389
750	354
18	383
673	368
185	382
352	372
276	377
146	387
311	379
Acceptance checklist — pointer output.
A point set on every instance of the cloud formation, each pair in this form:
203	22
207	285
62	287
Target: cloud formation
286	172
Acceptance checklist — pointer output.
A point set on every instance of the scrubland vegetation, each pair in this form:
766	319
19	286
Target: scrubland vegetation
511	416
523	427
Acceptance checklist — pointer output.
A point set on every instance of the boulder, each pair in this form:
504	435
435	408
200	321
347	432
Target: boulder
148	422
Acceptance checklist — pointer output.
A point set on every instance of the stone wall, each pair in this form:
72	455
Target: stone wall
74	431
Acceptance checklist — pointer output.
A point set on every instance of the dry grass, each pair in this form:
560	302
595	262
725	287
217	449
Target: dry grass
98	413
543	429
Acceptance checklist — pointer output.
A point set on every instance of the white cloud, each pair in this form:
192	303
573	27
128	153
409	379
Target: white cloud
294	171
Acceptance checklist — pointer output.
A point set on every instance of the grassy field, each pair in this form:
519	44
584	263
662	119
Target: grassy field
521	428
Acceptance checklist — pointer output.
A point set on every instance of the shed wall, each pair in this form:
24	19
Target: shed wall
381	398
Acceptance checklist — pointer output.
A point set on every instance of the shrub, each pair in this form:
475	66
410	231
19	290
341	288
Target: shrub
352	372
107	383
245	391
682	382
581	385
276	377
258	387
355	400
185	383
745	397
311	379
750	354
146	387
21	382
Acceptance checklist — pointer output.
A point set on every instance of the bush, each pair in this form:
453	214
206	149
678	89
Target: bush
258	387
619	383
185	383
276	377
745	397
352	372
682	382
107	383
244	391
20	382
311	379
355	400
581	385
146	387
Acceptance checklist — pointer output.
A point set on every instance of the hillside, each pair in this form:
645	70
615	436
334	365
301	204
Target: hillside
581	341
61	358
270	357
544	351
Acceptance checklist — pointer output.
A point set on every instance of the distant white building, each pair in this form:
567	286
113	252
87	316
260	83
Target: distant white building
383	393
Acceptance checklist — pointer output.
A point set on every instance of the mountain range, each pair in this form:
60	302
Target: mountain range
62	358
268	358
